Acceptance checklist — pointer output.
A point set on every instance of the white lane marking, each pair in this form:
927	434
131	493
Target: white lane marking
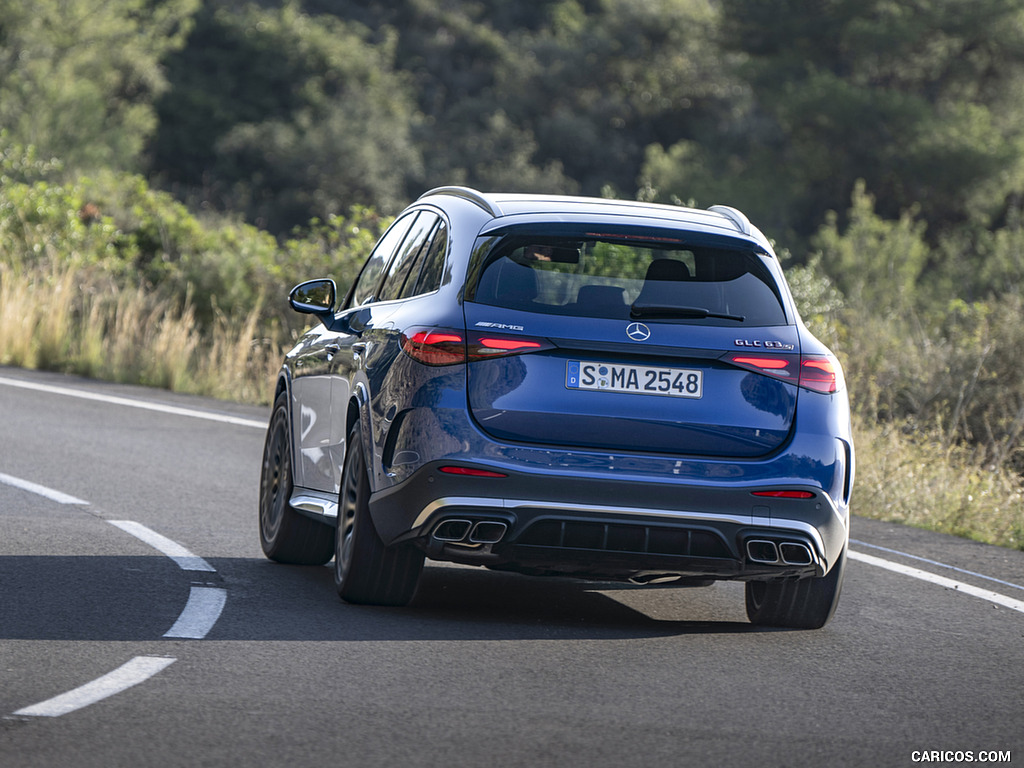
942	581
174	410
201	613
937	563
130	674
41	490
185	559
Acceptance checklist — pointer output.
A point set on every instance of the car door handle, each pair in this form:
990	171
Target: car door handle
359	348
332	349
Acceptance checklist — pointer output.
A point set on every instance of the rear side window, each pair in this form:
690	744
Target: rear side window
626	279
408	256
432	269
366	285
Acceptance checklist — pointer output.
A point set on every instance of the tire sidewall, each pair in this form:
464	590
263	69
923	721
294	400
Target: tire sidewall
274	492
353	511
803	604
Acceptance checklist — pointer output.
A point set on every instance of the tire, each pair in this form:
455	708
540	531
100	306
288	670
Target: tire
796	604
287	536
365	571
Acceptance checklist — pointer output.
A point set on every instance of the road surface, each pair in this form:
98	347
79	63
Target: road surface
140	625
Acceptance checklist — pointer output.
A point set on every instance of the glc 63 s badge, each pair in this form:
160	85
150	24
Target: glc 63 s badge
778	346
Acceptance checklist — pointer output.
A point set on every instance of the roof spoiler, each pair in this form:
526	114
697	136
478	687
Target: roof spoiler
466	193
741	222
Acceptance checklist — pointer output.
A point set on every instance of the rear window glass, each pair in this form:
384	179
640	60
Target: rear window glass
626	279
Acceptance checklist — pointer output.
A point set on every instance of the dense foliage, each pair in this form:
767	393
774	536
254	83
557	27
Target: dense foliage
169	167
286	110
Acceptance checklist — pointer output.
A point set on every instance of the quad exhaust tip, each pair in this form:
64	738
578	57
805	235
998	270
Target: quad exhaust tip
456	531
453	530
768	552
795	553
488	532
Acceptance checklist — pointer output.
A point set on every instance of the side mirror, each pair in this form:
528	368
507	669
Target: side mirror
314	297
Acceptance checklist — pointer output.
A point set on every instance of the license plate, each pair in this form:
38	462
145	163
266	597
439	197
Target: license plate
634	379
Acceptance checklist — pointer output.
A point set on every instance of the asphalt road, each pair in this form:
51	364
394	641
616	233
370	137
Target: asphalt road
140	625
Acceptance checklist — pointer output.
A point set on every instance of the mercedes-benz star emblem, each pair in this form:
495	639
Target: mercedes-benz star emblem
638	332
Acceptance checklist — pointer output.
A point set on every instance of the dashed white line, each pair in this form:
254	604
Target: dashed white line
201	612
41	490
127	402
204	604
185	559
130	674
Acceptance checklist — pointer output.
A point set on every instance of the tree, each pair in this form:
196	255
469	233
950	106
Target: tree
875	263
552	95
285	116
78	78
473	131
920	100
607	79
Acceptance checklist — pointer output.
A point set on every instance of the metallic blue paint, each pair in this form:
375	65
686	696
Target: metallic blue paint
578	456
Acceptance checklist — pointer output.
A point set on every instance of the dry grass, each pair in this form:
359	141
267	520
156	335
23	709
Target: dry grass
78	322
912	479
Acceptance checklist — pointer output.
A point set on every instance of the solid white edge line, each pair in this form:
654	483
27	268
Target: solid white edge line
185	559
130	403
130	674
201	613
41	490
937	563
942	581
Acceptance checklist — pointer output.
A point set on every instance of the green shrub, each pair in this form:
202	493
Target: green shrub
935	381
106	277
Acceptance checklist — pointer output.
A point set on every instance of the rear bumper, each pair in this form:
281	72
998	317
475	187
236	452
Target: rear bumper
613	528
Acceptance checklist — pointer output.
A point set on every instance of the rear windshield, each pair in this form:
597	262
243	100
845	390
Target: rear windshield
622	278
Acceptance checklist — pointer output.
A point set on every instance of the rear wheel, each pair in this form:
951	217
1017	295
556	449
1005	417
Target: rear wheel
366	571
798	604
286	535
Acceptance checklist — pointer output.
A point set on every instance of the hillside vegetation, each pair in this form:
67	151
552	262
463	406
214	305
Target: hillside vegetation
169	168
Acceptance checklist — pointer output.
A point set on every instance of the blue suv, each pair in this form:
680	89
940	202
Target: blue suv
600	389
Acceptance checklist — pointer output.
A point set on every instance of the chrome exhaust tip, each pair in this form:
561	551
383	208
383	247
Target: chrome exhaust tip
762	551
452	530
488	532
795	553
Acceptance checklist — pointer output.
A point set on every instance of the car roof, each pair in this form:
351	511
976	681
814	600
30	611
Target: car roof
718	218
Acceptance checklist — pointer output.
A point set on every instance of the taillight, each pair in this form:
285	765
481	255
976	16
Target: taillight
438	346
432	346
488	345
822	374
819	373
784	494
482	347
778	366
470	472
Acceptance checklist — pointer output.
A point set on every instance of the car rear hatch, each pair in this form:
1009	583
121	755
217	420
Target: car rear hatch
630	342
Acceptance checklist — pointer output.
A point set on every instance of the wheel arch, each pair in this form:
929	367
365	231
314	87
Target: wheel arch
353	415
283	385
358	411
